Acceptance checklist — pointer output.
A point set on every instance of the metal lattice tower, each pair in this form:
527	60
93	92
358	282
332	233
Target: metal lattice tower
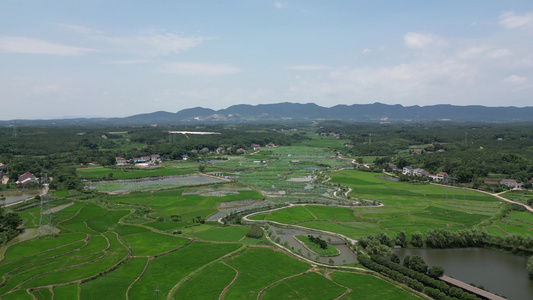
15	134
45	216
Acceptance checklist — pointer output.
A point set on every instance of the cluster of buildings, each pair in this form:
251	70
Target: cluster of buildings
152	159
441	176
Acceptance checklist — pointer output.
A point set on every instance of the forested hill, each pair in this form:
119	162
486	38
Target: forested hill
294	112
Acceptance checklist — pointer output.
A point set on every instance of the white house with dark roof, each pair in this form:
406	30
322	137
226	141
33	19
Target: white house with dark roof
511	183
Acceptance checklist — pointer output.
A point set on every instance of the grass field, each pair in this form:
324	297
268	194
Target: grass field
369	287
121	173
306	286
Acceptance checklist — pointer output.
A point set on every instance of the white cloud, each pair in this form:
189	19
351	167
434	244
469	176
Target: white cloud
80	29
509	19
308	67
515	80
46	89
279	5
499	53
366	50
150	44
17	44
130	62
472	52
187	68
417	40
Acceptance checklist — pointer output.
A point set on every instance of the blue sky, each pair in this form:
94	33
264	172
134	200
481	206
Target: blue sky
117	58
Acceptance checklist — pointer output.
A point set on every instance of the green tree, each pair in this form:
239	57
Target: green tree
418	264
436	271
416	239
401	239
406	260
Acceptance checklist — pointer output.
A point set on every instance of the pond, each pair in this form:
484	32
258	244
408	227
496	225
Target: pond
346	256
12	197
500	273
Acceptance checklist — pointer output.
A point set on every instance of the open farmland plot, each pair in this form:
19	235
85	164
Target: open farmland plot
208	283
306	286
99	173
406	203
149	243
273	266
166	271
63	264
369	287
223	234
114	285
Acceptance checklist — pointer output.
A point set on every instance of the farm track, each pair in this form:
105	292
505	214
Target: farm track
261	292
232	281
176	287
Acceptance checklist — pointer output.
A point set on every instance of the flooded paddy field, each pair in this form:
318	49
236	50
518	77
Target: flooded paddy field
135	185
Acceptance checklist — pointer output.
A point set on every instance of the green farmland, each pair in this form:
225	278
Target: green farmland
172	242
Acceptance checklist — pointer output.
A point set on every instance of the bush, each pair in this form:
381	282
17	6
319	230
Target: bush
255	232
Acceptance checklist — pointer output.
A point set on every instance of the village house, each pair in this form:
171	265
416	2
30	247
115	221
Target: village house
407	170
26	179
2	169
511	183
491	183
441	176
120	161
418	172
155	157
393	167
138	160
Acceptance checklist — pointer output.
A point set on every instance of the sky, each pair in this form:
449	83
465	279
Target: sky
116	58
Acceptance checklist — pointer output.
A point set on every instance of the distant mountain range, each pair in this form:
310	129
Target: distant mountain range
295	112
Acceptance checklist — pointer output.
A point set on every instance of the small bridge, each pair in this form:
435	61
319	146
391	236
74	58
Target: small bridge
467	287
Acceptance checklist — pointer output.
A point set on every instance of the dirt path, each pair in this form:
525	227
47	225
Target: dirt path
227	287
282	279
138	277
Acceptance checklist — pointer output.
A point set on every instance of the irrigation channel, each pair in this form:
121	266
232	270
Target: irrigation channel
499	272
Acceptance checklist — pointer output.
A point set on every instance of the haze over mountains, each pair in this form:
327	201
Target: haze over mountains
295	112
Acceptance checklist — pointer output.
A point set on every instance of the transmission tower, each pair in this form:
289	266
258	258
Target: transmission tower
15	134
45	219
